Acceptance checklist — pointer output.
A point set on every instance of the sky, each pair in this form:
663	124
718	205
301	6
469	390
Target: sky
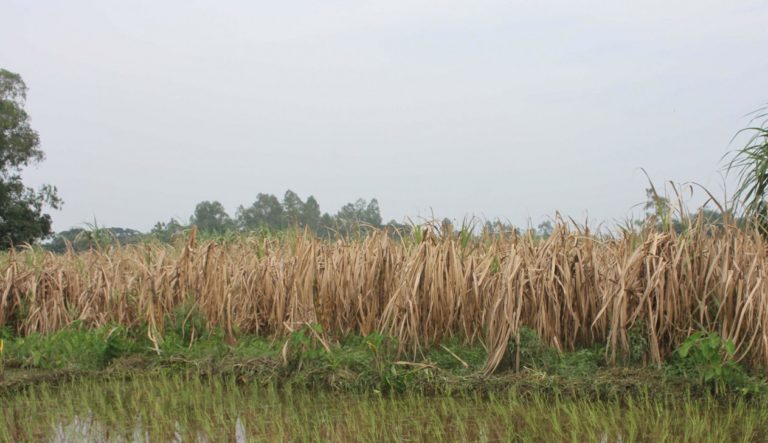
497	109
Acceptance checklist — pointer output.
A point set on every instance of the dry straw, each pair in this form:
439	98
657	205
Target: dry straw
573	288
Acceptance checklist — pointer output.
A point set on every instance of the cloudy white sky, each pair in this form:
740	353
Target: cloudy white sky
494	108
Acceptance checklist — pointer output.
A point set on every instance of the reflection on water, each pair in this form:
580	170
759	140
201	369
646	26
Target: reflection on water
88	429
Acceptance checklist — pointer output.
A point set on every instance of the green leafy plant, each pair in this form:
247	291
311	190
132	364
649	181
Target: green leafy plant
751	163
307	343
638	343
709	360
529	351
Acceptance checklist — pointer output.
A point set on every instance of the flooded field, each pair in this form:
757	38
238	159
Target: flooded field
179	408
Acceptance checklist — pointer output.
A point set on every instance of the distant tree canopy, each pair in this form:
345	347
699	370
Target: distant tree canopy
268	212
165	232
211	217
357	215
265	212
21	208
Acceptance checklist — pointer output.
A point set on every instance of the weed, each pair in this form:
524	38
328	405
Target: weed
708	359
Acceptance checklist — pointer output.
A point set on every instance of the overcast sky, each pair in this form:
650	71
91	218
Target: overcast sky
493	108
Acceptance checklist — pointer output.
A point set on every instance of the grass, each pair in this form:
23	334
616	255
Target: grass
170	406
364	364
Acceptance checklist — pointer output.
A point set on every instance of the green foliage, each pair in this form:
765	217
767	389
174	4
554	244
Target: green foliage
360	215
307	344
265	212
167	232
21	216
70	349
751	165
188	322
658	209
495	266
708	360
453	355
530	352
267	216
118	343
308	357
638	343
211	217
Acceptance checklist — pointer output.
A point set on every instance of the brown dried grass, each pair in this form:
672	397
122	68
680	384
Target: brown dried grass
574	288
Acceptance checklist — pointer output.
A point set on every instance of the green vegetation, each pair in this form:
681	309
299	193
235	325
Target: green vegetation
166	406
751	164
21	208
709	361
309	359
266	216
112	383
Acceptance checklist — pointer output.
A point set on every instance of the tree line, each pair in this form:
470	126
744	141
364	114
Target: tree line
267	213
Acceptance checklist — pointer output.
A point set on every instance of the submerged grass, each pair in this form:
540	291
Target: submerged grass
173	407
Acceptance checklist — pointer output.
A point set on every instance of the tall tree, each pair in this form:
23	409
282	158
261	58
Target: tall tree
211	217
265	212
165	232
21	208
311	213
358	215
293	209
373	214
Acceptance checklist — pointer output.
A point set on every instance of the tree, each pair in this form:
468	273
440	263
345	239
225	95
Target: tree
293	209
165	232
211	217
397	230
360	212
21	208
373	214
358	216
311	213
545	228
265	212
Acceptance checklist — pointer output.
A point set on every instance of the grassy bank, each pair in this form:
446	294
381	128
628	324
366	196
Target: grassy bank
309	359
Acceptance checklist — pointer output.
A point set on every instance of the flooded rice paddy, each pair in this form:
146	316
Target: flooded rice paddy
173	407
